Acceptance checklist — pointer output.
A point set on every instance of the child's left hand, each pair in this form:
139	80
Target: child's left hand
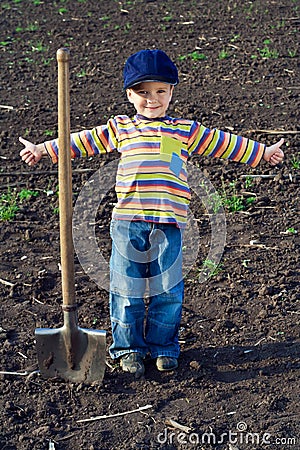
273	154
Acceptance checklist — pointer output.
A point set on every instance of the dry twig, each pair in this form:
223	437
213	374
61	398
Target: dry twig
273	131
6	107
142	408
172	423
7	283
20	374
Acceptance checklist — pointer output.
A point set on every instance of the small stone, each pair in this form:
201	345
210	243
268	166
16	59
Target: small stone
40	431
195	365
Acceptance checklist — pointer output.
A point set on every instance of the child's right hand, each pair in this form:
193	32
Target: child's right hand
32	153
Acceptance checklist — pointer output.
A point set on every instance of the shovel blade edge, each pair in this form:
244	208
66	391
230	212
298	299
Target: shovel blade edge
79	356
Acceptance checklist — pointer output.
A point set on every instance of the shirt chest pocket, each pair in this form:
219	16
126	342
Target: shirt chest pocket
170	150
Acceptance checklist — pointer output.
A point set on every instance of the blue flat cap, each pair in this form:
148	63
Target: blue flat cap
149	65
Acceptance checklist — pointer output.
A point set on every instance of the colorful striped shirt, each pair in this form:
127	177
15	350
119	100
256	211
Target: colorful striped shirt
151	182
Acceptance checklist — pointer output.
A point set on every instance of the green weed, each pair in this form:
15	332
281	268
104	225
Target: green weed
81	74
292	53
233	201
47	61
39	47
9	202
223	54
235	37
295	162
267	53
49	133
5	43
291	230
30	27
195	56
248	182
8	206
26	194
211	268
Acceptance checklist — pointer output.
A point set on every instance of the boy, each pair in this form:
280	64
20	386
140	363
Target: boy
151	213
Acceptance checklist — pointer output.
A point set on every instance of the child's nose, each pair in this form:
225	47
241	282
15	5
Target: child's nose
152	98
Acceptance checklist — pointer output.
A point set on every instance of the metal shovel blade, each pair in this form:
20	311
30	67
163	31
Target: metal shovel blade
71	353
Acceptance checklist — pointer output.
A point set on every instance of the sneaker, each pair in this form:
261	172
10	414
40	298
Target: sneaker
164	363
133	363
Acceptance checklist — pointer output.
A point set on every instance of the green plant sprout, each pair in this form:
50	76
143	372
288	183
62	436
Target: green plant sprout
195	56
8	206
5	43
49	133
30	27
39	47
295	162
47	61
210	268
265	52
9	202
235	37
233	201
81	74
167	18
291	230
248	182
223	54
26	194
292	53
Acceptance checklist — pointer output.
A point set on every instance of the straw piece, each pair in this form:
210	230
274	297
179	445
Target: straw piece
142	408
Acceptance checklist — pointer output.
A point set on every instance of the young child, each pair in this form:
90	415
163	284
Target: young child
151	213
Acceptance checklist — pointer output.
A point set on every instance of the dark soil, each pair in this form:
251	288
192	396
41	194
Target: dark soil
239	365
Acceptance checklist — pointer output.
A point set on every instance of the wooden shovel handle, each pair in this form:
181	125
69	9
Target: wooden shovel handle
65	179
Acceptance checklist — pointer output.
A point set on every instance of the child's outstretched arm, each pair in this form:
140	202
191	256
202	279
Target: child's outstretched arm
31	153
273	154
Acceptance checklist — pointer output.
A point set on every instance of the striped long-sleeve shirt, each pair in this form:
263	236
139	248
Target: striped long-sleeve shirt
151	182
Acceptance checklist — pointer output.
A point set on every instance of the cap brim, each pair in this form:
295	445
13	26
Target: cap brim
147	80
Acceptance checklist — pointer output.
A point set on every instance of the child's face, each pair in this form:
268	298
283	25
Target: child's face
151	98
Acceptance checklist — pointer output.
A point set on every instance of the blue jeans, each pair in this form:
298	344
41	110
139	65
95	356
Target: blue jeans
146	262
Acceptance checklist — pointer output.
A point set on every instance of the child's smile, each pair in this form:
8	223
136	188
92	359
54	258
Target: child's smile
151	98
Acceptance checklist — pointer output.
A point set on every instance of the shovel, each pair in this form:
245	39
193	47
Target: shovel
71	353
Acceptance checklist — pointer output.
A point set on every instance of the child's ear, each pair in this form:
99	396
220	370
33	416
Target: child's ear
129	95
